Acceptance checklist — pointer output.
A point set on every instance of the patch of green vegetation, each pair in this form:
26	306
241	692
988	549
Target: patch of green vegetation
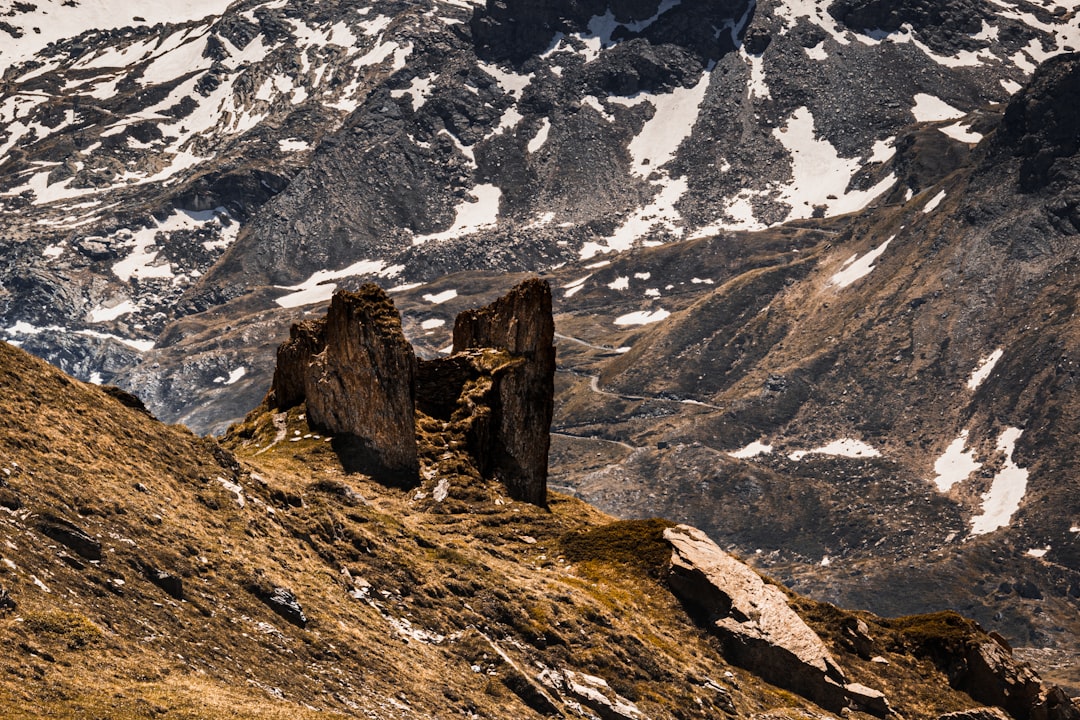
638	544
74	630
940	634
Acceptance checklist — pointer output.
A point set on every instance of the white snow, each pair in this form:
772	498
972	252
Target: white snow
541	136
674	119
1006	490
928	108
819	177
986	366
961	132
619	283
933	202
511	83
752	450
818	52
1011	86
572	288
24	328
440	298
52	20
319	288
143	263
642	275
432	323
660	212
856	268
234	489
234	375
1038	552
642	317
105	314
845	447
419	90
293	145
757	87
471	215
955	465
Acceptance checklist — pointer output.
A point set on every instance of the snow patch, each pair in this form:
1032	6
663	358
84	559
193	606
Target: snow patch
293	145
432	323
928	108
961	132
440	298
1038	552
574	287
540	138
642	317
1006	491
470	216
233	376
955	465
319	288
932	204
986	366
106	314
856	268
619	283
845	447
752	450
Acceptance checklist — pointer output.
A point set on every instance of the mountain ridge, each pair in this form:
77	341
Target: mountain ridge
184	582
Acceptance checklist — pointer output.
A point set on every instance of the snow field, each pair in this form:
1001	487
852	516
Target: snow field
845	447
320	288
986	366
855	267
1006	491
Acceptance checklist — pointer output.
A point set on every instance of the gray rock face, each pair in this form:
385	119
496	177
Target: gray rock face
356	372
520	323
758	628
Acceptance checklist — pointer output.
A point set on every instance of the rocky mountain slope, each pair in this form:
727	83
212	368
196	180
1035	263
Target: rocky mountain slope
147	572
874	400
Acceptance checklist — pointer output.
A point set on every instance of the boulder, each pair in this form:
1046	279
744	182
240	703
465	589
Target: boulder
757	627
520	324
69	534
592	692
980	713
173	585
993	676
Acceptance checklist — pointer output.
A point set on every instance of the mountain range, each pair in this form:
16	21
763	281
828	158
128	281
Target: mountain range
814	264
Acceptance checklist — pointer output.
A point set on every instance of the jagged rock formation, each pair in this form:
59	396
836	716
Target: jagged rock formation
520	323
759	629
356	373
361	383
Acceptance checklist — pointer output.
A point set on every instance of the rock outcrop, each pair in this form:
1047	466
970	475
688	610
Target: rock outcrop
515	450
993	676
357	374
362	384
758	628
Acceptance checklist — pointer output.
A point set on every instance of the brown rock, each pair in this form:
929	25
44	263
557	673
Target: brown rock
357	374
757	627
516	449
995	677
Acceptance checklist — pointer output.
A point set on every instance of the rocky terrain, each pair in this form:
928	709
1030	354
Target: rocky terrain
813	264
147	572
